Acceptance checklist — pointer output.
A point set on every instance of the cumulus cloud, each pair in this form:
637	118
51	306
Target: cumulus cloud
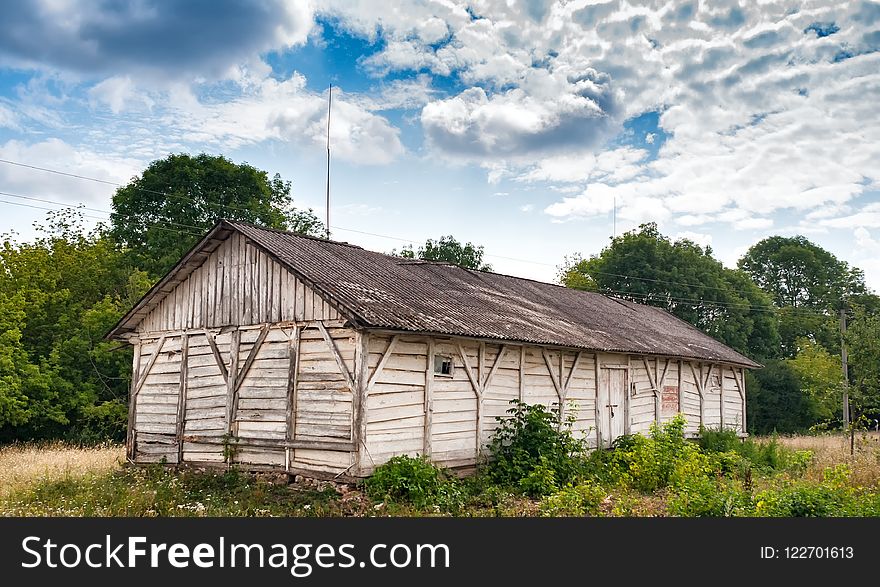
155	38
549	112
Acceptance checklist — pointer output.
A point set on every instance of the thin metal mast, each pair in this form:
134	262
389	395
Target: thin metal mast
329	106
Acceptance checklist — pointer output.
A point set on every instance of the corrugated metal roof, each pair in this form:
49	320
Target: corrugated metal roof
381	291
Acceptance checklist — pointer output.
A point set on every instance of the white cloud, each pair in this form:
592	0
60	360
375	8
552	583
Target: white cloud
526	208
59	155
255	109
700	238
119	93
753	223
548	112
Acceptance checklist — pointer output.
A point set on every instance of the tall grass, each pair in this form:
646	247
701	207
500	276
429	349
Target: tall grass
24	465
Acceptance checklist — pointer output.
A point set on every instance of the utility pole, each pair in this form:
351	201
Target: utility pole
843	361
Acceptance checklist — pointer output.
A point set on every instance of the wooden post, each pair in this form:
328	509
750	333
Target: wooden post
132	401
597	415
231	383
478	393
522	373
181	397
657	390
721	398
652	381
363	387
680	407
292	374
429	400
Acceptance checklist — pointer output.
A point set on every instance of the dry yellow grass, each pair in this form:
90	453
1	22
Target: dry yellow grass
24	464
834	449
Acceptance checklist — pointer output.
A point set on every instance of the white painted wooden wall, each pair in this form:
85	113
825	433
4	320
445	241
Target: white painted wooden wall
238	284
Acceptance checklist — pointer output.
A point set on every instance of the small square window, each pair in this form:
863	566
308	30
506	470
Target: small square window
443	366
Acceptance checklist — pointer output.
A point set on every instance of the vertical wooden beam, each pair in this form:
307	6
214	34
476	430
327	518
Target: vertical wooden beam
292	375
181	397
231	382
698	381
658	391
522	373
478	393
742	382
597	416
130	437
652	381
429	400
360	440
721	399
627	385
481	367
680	407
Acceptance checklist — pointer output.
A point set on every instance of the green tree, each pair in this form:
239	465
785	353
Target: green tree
863	344
447	249
821	377
775	401
685	279
808	284
58	296
159	215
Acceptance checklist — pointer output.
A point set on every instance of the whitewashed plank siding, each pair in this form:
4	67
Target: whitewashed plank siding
237	285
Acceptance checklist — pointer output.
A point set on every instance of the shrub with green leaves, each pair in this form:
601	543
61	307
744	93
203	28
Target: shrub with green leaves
767	456
415	481
646	463
583	499
534	451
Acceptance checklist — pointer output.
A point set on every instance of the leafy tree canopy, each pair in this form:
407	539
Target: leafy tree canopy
159	215
809	285
685	279
863	342
449	250
775	401
800	274
821	377
58	297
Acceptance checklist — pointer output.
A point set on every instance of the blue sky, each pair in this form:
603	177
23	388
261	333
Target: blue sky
512	125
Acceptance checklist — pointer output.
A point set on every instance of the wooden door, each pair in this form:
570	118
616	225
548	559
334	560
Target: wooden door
612	405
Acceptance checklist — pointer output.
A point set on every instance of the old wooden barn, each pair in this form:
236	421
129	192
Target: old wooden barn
277	351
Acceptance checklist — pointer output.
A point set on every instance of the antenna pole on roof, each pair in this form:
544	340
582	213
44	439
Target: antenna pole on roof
329	105
614	219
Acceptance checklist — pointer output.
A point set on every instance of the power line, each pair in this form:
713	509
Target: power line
399	239
621	293
117	184
62	207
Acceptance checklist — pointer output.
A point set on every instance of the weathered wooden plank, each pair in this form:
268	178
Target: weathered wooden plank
216	352
293	353
382	362
152	362
336	355
232	380
131	433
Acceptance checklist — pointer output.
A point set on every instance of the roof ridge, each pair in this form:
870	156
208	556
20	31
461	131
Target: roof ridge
290	233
